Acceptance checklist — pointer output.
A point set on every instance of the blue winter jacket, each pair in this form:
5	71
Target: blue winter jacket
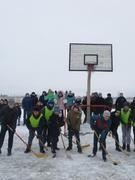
27	103
100	125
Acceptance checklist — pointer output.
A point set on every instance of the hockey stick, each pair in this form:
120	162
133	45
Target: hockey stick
83	146
132	140
129	133
109	157
37	155
68	156
127	154
83	151
51	154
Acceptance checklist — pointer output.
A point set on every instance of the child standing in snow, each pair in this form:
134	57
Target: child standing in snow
55	122
101	126
35	122
126	115
74	122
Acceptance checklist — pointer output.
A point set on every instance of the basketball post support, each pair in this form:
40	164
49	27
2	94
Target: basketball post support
90	67
90	57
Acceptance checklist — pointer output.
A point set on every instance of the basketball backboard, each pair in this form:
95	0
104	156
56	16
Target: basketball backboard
81	55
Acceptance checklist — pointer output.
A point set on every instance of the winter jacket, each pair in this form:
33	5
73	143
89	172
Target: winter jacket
43	100
99	101
19	111
60	100
51	95
132	106
34	100
9	116
120	102
27	103
115	120
55	122
100	125
70	100
109	101
74	119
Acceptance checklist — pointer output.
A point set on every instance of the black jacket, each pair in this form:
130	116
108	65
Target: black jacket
55	122
9	116
120	102
132	106
115	120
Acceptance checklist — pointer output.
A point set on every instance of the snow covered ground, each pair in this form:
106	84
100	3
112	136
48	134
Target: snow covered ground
28	167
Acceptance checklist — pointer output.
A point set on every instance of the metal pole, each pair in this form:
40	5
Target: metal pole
88	93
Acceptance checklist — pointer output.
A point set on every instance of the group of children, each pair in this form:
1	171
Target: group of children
109	123
45	123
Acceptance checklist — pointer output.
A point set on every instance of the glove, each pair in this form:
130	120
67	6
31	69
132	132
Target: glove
93	127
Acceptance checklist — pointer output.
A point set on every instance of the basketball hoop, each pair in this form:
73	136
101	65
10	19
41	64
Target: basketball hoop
90	57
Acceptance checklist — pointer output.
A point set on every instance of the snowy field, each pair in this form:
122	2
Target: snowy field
28	167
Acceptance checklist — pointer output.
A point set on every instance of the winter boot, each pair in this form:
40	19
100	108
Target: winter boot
69	148
104	158
128	148
79	150
124	146
27	150
118	149
54	152
0	151
57	148
42	150
9	152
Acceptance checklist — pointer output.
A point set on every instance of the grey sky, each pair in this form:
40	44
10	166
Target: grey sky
35	37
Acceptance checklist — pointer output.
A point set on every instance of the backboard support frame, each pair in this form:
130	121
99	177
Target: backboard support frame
90	57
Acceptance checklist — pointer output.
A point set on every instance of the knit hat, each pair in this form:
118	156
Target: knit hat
56	109
11	101
106	113
109	94
117	111
36	108
126	104
51	101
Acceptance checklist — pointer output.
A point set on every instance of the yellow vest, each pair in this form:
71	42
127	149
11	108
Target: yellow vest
125	116
48	113
34	122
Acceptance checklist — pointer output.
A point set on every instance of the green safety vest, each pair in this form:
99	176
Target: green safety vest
47	113
133	124
125	116
34	122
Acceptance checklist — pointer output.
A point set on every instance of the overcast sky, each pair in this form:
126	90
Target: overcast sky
35	37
